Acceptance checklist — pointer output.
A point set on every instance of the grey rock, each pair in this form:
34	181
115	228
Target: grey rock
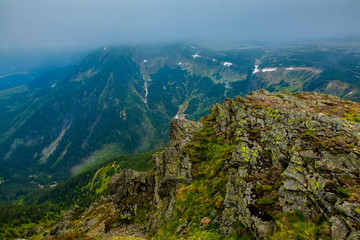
339	228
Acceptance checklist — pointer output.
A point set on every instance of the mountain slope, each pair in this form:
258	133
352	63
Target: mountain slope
119	100
77	193
59	120
270	166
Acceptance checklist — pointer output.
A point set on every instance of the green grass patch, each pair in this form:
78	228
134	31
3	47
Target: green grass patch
293	225
343	192
98	157
205	195
266	201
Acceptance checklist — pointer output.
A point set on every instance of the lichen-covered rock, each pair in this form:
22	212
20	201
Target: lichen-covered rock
171	167
129	189
63	227
78	222
312	151
280	153
339	228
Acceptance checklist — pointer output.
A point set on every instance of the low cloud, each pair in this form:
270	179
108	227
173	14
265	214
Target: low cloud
92	23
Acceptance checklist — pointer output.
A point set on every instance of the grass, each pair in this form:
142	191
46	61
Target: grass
9	92
205	195
126	238
293	225
98	157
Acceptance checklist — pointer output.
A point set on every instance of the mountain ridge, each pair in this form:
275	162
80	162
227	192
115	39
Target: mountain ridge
119	100
268	166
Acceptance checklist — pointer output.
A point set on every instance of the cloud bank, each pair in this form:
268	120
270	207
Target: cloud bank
92	23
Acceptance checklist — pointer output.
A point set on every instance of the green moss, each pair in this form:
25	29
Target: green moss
343	192
322	145
357	210
261	187
309	135
260	107
265	201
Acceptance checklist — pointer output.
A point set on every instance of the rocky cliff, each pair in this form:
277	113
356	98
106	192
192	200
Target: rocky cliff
263	166
270	166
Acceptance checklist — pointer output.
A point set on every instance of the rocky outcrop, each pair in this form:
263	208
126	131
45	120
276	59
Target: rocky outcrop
130	189
77	222
171	167
291	153
313	155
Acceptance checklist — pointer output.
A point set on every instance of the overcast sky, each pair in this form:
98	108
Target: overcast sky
93	23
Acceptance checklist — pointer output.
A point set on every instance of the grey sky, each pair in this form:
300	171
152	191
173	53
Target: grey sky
93	23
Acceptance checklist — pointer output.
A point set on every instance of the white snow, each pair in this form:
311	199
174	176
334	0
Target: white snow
176	116
52	86
351	93
179	63
227	64
269	69
256	69
145	61
105	48
196	56
146	92
290	68
214	59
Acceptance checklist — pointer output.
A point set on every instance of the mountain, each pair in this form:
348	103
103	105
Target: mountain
268	166
19	66
119	100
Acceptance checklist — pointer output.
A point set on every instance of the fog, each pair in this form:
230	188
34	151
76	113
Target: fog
68	24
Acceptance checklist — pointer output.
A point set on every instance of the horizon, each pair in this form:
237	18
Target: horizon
78	25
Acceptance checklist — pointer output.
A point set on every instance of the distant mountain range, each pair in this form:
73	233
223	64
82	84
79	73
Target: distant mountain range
119	100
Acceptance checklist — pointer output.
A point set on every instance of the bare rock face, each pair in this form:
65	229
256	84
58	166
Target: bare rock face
291	153
171	167
130	189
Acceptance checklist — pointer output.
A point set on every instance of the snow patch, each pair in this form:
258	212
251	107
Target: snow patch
227	64
350	93
256	69
145	61
105	48
196	55
290	68
179	63
214	60
269	69
52	86
146	92
176	116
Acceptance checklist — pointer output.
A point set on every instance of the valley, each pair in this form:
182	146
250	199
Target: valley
71	122
124	97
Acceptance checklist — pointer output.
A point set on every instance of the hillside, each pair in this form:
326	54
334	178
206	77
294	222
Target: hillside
79	191
276	166
119	100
